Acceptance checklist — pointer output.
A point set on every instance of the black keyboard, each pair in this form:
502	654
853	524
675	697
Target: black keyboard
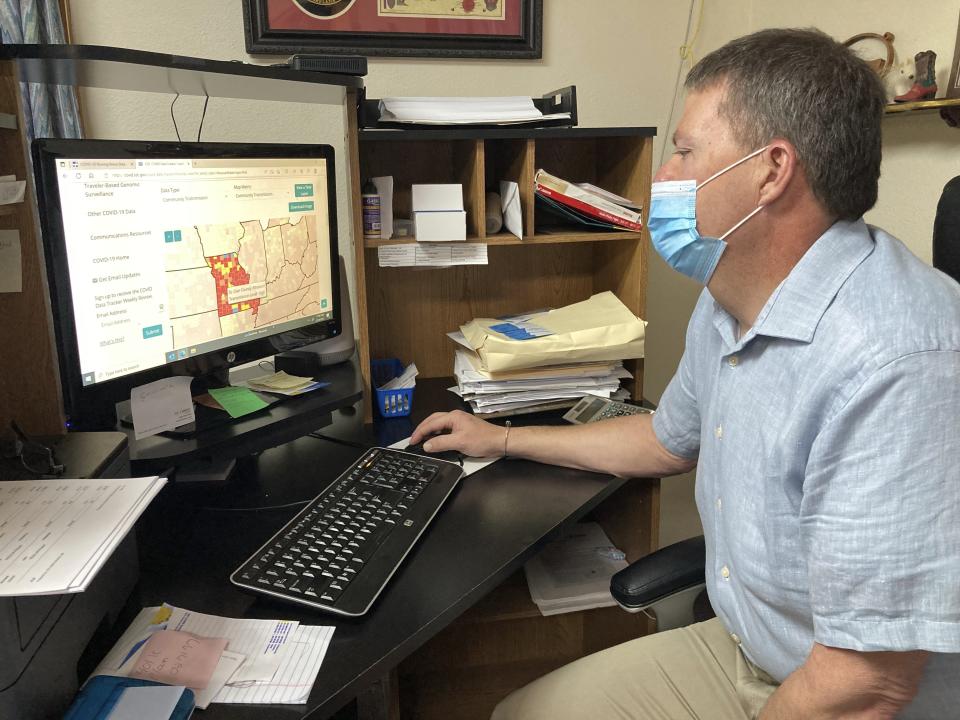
338	553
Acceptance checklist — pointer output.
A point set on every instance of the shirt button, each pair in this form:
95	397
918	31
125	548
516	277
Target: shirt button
733	361
719	431
719	504
725	572
735	638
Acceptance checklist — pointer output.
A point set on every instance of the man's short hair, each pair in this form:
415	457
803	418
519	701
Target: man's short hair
806	88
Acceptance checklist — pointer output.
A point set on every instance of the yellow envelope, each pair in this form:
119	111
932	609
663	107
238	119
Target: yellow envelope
599	329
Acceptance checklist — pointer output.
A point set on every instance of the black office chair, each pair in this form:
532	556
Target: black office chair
670	582
946	231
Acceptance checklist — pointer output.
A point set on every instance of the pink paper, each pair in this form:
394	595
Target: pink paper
179	658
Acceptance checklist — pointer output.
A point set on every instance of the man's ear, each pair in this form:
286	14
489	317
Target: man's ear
779	167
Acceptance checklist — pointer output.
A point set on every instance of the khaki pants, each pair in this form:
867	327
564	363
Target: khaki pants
692	672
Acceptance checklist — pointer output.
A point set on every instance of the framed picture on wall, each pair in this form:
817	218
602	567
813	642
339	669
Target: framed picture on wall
411	28
953	89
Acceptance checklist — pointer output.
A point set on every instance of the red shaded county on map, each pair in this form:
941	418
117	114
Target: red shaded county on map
227	272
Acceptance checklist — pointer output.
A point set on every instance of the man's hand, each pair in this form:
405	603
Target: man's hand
836	683
625	446
461	431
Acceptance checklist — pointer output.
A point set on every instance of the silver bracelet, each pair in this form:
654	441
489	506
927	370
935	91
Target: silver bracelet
505	436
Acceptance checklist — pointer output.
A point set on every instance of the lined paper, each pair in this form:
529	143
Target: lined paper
284	653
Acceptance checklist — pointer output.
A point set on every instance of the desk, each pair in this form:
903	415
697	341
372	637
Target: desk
495	521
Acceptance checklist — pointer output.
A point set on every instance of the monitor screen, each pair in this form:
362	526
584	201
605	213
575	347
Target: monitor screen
179	258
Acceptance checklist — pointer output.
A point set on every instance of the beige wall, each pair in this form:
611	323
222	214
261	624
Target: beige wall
578	49
623	55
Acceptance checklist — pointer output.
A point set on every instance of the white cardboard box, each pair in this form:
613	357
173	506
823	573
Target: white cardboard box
438	213
440	226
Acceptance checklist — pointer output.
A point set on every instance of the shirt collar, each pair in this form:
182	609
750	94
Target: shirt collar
795	308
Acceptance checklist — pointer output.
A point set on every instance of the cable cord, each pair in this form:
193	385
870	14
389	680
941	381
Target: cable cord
298	503
686	54
174	117
350	443
202	116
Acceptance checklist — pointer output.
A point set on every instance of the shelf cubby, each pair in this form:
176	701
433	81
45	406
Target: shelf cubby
407	312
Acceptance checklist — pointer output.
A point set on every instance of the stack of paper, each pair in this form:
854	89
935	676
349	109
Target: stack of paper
463	110
252	661
57	534
535	390
546	359
573	572
280	383
406	379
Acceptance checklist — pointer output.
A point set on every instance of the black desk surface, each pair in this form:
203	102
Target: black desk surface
192	538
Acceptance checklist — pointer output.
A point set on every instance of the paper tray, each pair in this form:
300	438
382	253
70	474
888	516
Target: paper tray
556	101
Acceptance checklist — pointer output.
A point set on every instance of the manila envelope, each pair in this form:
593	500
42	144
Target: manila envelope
599	329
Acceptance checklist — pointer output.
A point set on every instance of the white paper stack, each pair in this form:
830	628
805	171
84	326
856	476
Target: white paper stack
547	359
463	110
534	390
57	534
573	572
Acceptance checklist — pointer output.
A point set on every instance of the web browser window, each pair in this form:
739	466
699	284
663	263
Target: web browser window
178	257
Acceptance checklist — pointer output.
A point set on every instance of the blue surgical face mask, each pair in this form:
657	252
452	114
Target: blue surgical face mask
672	222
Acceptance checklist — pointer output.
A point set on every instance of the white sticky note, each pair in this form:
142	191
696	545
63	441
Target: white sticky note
161	405
138	703
12	192
11	268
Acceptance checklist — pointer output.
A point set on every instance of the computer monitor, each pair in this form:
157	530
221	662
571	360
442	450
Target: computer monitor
182	259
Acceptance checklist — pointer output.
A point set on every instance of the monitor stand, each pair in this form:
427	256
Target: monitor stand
281	422
205	418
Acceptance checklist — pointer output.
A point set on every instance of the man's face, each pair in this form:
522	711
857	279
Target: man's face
703	144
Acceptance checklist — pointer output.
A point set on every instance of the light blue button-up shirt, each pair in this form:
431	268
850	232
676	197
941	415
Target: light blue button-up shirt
828	480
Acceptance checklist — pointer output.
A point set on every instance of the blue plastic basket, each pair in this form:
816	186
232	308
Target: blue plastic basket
390	403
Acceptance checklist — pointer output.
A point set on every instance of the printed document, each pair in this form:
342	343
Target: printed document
55	535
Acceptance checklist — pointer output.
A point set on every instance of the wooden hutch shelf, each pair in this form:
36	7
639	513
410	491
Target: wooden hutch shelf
921	106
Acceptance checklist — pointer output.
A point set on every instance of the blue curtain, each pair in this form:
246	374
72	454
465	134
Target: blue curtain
51	109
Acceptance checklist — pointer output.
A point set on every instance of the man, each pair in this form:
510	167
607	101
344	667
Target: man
818	397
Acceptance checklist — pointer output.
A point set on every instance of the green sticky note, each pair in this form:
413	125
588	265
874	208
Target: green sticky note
238	401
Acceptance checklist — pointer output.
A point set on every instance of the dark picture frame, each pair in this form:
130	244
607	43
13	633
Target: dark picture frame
953	89
457	28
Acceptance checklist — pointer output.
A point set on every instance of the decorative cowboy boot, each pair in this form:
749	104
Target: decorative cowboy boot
925	82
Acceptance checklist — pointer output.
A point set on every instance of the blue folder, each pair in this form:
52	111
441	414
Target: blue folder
100	694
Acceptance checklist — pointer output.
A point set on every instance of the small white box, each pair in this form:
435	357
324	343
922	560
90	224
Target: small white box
437	226
437	197
438	213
